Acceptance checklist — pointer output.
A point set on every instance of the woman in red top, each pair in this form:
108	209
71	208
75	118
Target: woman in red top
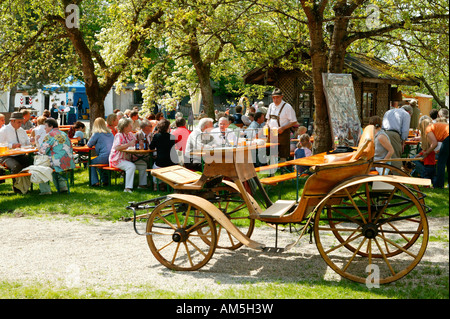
431	134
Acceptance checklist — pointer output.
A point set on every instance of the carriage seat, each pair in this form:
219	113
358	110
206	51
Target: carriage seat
278	209
177	177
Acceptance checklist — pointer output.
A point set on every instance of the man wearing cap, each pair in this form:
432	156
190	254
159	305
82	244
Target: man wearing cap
15	137
282	116
396	124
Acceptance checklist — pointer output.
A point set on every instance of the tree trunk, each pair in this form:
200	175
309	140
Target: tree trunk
322	129
96	99
203	71
338	47
12	98
207	94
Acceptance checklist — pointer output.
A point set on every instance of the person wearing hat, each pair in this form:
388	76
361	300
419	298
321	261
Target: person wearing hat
281	115
15	137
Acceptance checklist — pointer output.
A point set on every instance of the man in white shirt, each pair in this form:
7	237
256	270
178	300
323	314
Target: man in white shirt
281	115
223	136
196	141
15	137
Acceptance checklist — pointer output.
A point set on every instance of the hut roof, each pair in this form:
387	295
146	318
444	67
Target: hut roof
364	68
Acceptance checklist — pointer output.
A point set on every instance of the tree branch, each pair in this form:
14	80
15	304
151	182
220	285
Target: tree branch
398	25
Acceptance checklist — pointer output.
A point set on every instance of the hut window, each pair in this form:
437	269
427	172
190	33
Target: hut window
305	105
137	97
368	104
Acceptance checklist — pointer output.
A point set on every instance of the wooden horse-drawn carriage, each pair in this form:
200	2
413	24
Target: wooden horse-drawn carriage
363	224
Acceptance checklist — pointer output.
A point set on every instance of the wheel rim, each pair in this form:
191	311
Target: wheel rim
177	232
390	234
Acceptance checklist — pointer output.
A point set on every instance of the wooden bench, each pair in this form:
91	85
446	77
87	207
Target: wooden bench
275	180
110	169
10	176
67	175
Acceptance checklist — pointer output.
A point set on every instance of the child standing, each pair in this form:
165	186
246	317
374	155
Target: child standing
303	150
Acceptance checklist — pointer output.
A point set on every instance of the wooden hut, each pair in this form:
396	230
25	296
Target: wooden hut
374	80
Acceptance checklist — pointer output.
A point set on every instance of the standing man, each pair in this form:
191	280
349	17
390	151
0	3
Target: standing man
80	108
281	115
396	124
16	137
62	113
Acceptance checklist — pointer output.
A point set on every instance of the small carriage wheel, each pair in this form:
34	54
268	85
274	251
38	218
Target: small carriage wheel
231	204
382	241
176	231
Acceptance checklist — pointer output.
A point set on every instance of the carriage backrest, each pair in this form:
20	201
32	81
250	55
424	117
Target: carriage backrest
326	176
366	146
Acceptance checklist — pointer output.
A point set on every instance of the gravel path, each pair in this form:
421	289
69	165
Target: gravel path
110	256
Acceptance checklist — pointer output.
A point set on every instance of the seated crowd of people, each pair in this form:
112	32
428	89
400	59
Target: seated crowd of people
174	143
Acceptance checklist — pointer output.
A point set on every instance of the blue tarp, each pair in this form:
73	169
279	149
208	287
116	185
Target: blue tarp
69	85
77	87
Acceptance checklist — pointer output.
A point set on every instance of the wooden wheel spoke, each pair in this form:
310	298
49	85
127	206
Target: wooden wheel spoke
175	254
230	237
355	206
337	211
343	244
196	247
176	216
188	253
165	246
166	221
398	213
368	203
397	246
381	212
354	254
187	216
385	258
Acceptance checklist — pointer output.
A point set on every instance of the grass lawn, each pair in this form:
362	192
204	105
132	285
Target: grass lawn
109	203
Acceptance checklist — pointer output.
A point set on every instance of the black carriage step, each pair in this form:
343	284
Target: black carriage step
278	209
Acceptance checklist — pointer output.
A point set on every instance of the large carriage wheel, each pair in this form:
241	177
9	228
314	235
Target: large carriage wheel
371	235
177	231
231	204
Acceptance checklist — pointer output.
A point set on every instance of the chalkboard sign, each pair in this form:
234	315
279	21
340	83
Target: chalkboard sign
342	110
